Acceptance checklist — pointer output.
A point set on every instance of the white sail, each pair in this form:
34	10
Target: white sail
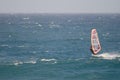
95	43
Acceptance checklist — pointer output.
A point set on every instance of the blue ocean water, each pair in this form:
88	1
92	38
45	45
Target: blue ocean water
57	47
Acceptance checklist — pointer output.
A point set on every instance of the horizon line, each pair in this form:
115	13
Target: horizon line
59	13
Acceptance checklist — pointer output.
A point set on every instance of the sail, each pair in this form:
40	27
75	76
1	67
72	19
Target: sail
95	43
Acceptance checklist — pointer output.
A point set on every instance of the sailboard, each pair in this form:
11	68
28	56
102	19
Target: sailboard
95	43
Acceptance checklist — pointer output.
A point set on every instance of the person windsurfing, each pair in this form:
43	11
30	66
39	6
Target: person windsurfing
95	43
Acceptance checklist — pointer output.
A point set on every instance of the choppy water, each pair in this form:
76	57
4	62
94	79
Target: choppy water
56	47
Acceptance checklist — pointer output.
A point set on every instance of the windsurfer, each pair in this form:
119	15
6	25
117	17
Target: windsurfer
95	44
91	50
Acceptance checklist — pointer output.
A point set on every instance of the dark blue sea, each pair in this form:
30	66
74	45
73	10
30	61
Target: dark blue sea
57	47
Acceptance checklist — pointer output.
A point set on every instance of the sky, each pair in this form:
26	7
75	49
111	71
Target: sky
59	6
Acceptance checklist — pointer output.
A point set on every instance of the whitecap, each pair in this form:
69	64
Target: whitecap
106	34
53	25
108	56
17	63
48	60
9	36
69	20
39	25
9	22
47	51
21	46
51	61
26	18
81	38
5	45
32	62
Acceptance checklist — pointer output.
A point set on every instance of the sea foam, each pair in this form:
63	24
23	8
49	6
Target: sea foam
108	56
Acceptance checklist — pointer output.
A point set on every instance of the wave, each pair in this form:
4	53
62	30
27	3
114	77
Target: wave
108	56
21	46
16	63
48	59
33	61
26	18
4	45
53	61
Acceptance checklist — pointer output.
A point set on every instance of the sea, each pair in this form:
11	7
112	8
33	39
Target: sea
57	47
